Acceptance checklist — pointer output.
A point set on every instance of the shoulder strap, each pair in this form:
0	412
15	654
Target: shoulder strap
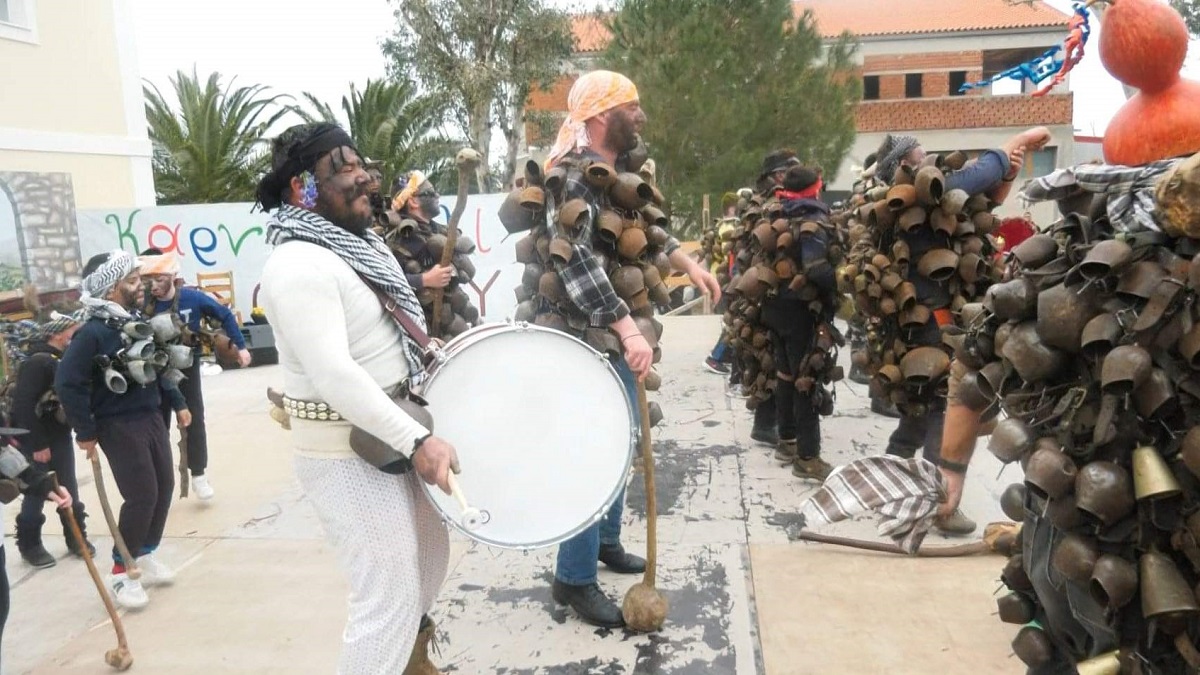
414	331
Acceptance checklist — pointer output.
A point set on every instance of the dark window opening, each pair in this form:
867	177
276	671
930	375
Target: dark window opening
912	85
957	79
871	88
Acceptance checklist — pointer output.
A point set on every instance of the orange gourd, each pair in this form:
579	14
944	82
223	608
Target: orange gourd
1143	43
1150	127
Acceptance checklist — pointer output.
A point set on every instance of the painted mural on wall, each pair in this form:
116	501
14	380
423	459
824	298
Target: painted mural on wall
39	238
215	238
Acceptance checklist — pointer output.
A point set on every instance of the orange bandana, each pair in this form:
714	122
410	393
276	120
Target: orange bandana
166	263
596	92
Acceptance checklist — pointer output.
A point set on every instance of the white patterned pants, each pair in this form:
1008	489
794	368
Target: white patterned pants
395	548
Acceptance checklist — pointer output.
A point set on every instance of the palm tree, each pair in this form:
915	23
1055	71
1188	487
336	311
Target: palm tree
392	123
210	148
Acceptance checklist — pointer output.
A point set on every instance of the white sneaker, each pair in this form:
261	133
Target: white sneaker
154	573
128	592
200	486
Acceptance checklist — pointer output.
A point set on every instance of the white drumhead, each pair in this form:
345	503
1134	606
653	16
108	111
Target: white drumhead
543	429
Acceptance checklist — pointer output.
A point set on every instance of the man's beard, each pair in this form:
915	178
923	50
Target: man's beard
620	135
127	298
344	215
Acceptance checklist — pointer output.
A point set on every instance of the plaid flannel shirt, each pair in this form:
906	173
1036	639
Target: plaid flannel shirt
1130	189
585	279
904	492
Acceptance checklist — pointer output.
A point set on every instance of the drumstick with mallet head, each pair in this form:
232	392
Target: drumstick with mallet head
645	608
119	658
472	517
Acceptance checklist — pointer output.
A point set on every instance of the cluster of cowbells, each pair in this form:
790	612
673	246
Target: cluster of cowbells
1092	350
955	251
762	245
716	245
629	236
150	349
458	313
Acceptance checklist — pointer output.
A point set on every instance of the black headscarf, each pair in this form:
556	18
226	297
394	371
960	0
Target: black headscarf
295	151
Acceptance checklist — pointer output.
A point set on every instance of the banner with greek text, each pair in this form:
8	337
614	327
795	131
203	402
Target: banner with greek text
211	238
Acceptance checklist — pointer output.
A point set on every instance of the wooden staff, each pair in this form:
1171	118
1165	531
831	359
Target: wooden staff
466	160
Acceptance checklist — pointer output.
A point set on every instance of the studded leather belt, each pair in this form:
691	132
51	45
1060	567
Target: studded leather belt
310	410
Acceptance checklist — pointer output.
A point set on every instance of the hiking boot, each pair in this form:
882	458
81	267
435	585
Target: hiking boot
956	524
715	366
786	450
128	592
619	561
885	408
37	556
154	572
812	467
590	603
766	436
418	662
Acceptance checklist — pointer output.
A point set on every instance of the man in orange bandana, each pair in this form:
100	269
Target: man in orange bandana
602	125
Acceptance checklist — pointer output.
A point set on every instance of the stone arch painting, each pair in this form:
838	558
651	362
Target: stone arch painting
39	236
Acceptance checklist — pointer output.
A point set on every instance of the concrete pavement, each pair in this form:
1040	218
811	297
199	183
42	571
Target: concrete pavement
259	590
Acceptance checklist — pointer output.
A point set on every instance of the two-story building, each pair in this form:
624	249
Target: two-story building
914	57
72	133
73	100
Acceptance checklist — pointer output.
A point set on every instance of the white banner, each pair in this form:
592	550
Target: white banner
230	238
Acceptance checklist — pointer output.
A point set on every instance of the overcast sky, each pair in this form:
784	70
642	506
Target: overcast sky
320	47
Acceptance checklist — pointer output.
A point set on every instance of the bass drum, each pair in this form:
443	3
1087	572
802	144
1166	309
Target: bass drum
544	432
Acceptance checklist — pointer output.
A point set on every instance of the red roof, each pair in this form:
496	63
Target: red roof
872	17
867	18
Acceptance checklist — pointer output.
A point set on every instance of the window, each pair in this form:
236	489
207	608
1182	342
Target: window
912	85
871	88
17	21
957	79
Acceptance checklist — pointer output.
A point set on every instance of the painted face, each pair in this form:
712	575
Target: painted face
343	190
128	291
161	285
624	123
429	200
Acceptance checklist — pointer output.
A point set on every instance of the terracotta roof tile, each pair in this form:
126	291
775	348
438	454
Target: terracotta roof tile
865	18
591	35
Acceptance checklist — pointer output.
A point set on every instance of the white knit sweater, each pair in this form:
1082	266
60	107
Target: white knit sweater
337	345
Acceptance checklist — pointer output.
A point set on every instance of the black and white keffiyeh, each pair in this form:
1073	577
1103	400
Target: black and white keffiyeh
366	254
96	286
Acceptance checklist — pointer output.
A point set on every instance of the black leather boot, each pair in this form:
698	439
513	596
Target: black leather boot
617	560
29	542
590	603
72	545
765	421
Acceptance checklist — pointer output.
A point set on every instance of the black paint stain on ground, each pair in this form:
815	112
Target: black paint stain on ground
675	470
592	666
790	523
532	595
711	423
702	606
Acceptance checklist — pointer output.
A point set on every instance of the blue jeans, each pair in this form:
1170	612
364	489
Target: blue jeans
718	352
577	556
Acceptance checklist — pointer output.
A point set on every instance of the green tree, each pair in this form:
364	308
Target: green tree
392	123
481	58
208	143
722	88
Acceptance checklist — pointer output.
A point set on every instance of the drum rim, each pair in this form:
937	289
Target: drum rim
434	493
